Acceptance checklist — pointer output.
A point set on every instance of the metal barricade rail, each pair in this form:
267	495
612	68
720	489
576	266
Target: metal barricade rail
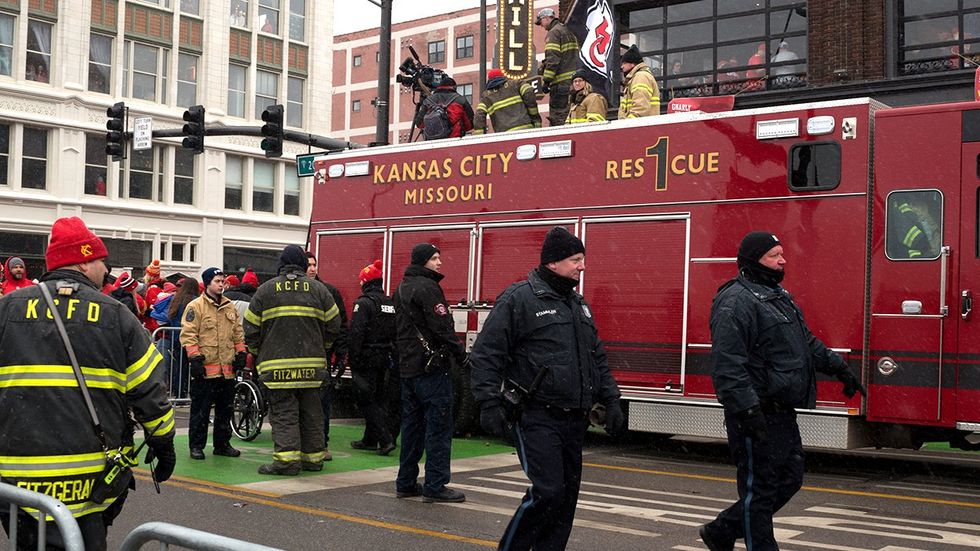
71	535
172	534
178	370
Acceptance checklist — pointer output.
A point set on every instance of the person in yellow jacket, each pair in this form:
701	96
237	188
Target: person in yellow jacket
560	61
586	105
212	334
640	95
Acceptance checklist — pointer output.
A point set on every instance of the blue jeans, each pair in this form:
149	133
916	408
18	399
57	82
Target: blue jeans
427	426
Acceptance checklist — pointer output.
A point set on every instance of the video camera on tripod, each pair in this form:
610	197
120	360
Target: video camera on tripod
418	76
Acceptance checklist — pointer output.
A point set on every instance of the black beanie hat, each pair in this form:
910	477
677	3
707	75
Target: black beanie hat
754	246
632	55
293	255
208	275
560	244
422	252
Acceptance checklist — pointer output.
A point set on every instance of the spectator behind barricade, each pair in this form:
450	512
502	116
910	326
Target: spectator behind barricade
336	356
511	105
154	283
124	291
168	312
240	299
250	283
231	282
15	275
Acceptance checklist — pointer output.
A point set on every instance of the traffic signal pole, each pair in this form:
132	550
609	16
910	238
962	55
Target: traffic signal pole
384	75
294	136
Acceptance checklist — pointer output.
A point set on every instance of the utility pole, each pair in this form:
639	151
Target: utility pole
483	46
384	75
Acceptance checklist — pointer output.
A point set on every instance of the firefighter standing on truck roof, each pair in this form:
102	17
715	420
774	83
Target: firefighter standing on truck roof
586	105
639	96
45	423
290	326
211	333
764	366
536	326
510	104
560	62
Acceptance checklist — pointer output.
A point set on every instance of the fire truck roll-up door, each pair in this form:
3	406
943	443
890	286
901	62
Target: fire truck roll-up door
342	254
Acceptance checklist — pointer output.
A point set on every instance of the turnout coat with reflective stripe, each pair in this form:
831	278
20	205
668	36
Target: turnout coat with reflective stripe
290	326
47	442
560	54
640	94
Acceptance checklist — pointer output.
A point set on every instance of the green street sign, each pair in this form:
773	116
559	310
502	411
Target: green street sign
304	164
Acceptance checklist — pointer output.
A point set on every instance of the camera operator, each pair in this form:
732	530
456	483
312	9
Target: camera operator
444	113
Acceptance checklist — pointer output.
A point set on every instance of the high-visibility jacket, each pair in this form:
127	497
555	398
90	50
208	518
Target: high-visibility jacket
560	54
214	330
290	326
587	106
640	96
511	105
48	443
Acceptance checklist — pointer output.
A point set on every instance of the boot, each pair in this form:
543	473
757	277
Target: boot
311	466
290	469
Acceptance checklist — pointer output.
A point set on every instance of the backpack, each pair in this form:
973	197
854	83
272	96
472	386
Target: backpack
436	125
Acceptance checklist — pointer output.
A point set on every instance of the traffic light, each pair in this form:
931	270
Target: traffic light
272	129
115	138
194	129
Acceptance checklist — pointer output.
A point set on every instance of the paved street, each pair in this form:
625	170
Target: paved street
640	494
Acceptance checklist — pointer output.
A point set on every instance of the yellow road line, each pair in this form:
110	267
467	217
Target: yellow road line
206	489
199	482
895	497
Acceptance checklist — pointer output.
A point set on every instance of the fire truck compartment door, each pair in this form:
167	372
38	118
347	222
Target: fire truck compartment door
342	254
963	311
457	249
507	251
636	281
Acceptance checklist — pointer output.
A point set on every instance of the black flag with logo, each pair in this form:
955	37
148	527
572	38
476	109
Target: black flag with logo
593	24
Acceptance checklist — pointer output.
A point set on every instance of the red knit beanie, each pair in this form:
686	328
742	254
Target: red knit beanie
153	270
233	280
72	243
126	282
249	278
371	272
494	73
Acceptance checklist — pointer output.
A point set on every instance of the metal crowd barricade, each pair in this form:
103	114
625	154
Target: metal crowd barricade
171	534
178	370
48	506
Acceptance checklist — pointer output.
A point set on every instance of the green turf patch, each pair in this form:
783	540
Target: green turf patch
243	470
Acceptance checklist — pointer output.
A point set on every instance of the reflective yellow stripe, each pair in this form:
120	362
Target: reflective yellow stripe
313	457
161	426
286	456
503	104
640	86
520	127
142	368
478	131
293	385
564	76
60	376
911	235
552	46
595	117
77	509
292	311
548	74
569	47
51	465
252	317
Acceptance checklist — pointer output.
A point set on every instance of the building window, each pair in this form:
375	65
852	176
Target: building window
357	61
146	72
266	90
4	153
938	36
96	169
464	47
294	102
437	51
184	176
466	90
192	7
814	166
290	205
269	16
143	174
236	90
914	225
177	252
34	173
100	64
164	3
6	44
263	186
704	48
355	106
297	20
187	79
238	17
38	51
234	181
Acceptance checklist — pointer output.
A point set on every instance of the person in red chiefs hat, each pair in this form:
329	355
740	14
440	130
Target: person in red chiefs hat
371	346
49	425
125	292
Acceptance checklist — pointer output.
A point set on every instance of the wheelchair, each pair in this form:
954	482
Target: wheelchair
249	405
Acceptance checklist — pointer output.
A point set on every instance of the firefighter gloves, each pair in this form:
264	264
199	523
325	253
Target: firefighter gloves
197	367
238	363
162	449
615	420
753	424
851	385
493	418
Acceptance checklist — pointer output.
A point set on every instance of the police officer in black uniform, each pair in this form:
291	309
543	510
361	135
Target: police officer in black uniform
541	342
765	361
371	343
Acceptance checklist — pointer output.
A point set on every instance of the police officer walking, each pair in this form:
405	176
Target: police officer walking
765	362
371	345
427	343
49	442
290	326
211	333
538	326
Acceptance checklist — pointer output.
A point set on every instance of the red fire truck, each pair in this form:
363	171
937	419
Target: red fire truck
877	208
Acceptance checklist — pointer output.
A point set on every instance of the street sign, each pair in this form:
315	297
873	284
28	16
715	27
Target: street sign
142	133
304	163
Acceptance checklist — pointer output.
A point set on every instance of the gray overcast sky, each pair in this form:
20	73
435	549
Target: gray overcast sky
357	15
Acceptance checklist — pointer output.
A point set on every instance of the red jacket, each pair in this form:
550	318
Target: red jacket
10	284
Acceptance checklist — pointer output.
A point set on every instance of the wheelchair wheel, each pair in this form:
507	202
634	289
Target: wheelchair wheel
246	414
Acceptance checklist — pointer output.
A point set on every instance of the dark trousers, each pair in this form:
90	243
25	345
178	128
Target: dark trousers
297	425
205	394
769	474
369	382
326	405
558	103
427	426
93	527
393	401
549	445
